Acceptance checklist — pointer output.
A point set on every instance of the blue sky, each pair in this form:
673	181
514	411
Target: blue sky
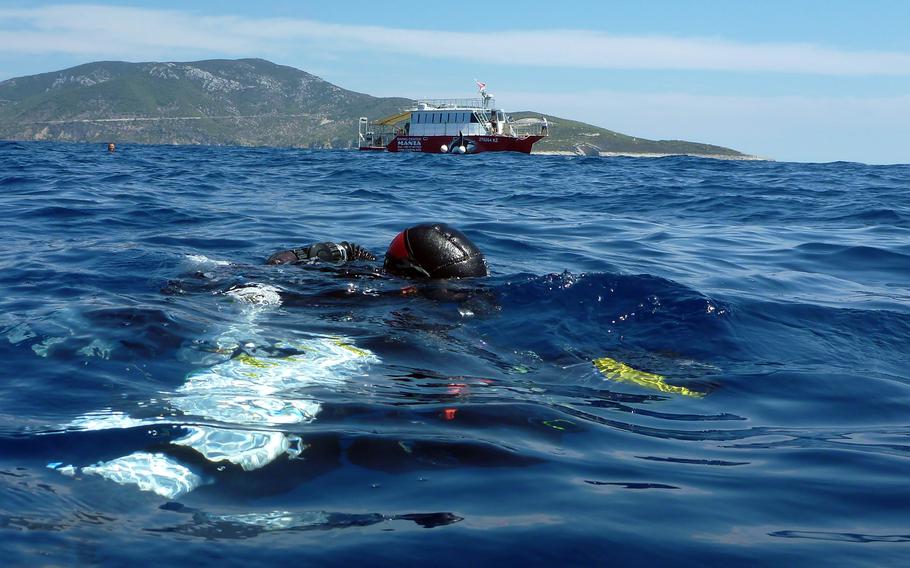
803	80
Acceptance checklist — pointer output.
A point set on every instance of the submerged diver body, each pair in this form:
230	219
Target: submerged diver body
253	396
428	250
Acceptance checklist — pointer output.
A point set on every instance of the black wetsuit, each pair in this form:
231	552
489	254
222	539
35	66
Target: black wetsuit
327	252
429	250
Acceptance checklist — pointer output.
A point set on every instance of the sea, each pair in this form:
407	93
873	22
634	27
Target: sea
673	361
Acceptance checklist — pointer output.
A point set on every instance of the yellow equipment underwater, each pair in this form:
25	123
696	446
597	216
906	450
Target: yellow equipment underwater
617	371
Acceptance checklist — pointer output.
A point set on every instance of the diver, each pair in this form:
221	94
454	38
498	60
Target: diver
428	250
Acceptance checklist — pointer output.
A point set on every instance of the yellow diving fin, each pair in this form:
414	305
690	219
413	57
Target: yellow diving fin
617	371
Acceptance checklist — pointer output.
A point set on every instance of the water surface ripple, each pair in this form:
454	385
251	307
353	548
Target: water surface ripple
674	361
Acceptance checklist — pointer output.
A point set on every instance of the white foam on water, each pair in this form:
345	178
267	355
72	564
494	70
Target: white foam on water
202	261
157	473
256	294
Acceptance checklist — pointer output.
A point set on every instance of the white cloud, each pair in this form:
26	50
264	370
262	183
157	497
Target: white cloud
803	128
127	32
119	31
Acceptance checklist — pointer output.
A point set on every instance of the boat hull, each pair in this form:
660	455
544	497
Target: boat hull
472	144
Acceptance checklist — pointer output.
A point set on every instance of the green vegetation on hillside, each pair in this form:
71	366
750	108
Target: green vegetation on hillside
567	134
250	102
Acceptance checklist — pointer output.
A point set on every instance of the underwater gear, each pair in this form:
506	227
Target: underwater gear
428	250
326	251
618	371
434	250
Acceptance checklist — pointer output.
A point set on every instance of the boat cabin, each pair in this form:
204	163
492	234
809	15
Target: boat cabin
456	125
455	120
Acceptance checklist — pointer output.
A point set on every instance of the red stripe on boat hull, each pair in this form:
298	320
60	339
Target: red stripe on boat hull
474	144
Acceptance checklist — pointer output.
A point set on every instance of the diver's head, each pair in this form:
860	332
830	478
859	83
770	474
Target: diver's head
434	250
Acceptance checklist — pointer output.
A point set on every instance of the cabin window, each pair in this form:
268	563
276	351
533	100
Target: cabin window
473	117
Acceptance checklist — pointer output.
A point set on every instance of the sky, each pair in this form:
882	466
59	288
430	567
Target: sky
795	80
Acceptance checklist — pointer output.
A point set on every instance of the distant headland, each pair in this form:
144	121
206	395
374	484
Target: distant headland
244	102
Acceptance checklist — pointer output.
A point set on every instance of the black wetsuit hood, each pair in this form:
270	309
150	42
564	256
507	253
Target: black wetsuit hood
434	250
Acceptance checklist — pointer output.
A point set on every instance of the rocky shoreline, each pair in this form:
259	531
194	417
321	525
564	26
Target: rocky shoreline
738	158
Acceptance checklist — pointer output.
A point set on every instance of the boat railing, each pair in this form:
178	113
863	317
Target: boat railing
530	126
372	135
456	103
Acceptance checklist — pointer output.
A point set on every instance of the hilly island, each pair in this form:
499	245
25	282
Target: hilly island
245	102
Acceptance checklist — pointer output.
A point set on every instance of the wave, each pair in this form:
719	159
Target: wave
637	339
861	259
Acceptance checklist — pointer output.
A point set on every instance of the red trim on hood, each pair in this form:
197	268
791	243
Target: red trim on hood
398	249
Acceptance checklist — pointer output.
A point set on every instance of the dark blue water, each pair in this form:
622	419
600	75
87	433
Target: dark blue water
761	310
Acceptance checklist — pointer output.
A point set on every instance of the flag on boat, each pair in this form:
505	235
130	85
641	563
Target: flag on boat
480	85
